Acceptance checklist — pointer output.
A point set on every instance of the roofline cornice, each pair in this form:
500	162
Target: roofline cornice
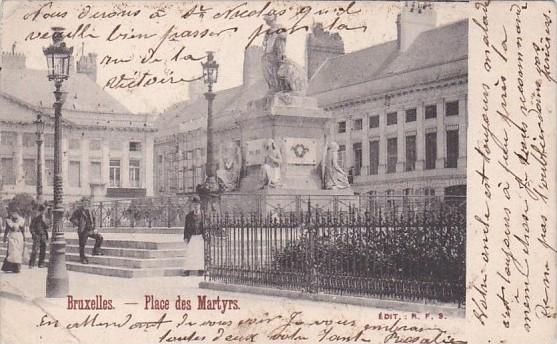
449	81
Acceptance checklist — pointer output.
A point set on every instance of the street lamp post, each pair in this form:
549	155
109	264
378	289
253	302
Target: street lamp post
209	191
58	61
40	130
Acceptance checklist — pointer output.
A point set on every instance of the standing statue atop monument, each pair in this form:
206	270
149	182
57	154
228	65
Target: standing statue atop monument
281	73
270	170
334	176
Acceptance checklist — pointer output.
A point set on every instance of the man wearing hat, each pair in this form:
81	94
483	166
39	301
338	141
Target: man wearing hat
39	231
193	237
84	220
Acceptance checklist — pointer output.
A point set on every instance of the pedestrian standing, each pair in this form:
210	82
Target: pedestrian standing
14	234
39	232
84	220
193	237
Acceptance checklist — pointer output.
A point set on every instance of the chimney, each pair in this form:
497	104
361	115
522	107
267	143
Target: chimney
320	46
412	20
13	59
196	89
87	64
252	65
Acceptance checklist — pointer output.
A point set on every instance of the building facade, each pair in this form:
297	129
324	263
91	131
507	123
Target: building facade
181	139
398	109
107	151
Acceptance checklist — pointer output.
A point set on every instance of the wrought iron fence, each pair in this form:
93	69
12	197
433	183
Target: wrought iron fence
171	211
140	212
406	256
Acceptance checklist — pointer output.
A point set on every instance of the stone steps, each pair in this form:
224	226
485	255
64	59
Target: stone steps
125	255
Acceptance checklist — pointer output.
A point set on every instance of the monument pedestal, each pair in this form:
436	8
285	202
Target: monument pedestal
285	201
296	124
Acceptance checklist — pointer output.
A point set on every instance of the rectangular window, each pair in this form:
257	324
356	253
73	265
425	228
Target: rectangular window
410	164
342	156
391	118
374	157
430	111
199	175
29	139
452	149
451	108
190	186
49	172
95	172
134	174
358	124
8	138
49	140
95	145
74	174
430	150
341	127
357	148
411	115
390	198
115	145
429	191
160	158
8	171
374	122
29	171
74	144
391	155
135	146
114	174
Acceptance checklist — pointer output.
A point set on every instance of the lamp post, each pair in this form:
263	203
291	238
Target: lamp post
209	190
40	130
58	61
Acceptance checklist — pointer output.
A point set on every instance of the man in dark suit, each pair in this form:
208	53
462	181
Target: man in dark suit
39	232
84	220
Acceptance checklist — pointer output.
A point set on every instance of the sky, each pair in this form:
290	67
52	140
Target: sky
24	21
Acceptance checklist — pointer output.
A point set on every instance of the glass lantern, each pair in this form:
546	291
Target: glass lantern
58	56
39	123
210	69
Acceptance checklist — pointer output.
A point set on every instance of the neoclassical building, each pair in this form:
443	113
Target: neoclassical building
107	150
398	110
400	107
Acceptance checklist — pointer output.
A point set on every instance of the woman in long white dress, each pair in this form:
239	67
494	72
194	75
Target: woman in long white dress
14	235
193	237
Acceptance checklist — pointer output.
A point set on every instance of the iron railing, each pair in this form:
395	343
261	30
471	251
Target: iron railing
404	256
139	212
171	211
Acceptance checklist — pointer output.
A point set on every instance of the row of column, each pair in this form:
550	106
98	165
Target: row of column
146	166
402	130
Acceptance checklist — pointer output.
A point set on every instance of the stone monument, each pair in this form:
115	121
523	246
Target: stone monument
283	136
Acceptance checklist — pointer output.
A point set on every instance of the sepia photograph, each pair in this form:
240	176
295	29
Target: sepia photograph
266	172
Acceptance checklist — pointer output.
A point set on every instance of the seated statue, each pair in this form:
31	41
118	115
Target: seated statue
334	176
271	168
281	73
228	175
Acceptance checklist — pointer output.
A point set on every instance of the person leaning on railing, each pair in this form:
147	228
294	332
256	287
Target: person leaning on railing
84	220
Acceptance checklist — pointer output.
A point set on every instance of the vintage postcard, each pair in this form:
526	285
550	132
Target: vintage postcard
278	172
